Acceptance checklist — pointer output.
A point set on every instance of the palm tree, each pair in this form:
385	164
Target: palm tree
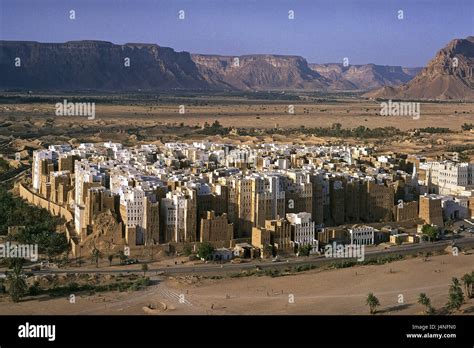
425	301
122	257
144	269
95	256
111	258
468	280
17	287
372	302
456	296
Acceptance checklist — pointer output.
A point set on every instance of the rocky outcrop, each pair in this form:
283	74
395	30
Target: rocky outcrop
364	77
259	72
449	75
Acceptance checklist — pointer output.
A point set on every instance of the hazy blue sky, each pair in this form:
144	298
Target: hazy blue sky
365	31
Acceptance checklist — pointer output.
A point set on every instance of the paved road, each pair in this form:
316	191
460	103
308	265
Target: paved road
14	173
229	267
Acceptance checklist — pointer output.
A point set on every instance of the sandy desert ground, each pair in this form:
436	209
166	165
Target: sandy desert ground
264	114
339	291
132	123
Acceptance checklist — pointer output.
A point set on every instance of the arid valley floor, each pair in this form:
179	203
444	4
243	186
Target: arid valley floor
318	291
155	120
31	124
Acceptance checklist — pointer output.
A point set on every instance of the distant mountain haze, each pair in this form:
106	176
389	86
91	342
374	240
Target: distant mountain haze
367	76
102	66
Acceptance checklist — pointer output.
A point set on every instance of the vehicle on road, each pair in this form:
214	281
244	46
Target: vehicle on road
130	262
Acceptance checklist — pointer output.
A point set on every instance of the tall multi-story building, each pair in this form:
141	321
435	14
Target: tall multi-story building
86	176
404	211
352	200
447	178
132	204
261	239
42	159
337	201
303	230
182	193
240	206
298	193
216	228
280	232
66	162
380	201
267	200
98	200
151	220
317	199
60	184
205	202
470	208
431	210
178	211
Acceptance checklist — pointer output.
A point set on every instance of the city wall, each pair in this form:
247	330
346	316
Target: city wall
53	208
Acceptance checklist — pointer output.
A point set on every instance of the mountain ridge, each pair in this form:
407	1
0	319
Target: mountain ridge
366	76
448	76
99	65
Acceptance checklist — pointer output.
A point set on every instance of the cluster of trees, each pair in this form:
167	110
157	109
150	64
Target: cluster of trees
336	130
305	250
430	232
39	225
205	251
16	286
49	242
467	126
4	166
214	129
460	148
426	302
456	296
14	211
15	280
434	130
463	151
96	255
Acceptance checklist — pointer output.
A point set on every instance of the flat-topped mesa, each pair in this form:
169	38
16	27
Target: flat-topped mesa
259	72
96	65
366	76
87	44
100	66
275	60
140	45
